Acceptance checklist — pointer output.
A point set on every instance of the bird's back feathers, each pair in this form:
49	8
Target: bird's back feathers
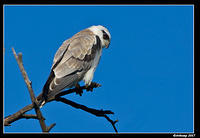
72	60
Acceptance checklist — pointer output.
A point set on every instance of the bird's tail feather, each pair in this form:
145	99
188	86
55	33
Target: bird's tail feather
41	101
48	95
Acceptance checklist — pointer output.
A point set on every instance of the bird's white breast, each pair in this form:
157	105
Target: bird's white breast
90	73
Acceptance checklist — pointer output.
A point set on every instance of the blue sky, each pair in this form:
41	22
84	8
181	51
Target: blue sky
146	74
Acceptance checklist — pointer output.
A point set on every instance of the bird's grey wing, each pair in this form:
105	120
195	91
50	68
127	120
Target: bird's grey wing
71	66
73	59
60	51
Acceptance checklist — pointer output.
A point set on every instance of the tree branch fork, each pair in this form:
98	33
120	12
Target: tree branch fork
21	114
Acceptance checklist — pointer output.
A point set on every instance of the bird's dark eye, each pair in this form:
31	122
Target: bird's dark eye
105	35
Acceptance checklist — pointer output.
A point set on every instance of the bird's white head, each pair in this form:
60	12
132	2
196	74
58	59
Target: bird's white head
102	33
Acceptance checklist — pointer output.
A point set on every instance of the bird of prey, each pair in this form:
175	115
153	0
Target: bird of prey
75	60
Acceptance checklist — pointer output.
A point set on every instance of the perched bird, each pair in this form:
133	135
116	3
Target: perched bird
75	60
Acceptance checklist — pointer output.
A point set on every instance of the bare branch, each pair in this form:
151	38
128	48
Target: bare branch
21	113
16	116
29	86
50	127
99	113
112	122
29	116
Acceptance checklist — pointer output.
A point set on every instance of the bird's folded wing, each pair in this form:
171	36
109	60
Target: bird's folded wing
76	57
60	51
72	60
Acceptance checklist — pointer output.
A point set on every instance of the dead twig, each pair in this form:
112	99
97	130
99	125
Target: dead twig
98	113
29	86
112	122
21	113
18	115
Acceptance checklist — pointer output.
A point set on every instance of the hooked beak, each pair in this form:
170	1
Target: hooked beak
107	44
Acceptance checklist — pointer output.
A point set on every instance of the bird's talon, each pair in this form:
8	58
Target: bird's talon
92	86
95	85
78	90
89	89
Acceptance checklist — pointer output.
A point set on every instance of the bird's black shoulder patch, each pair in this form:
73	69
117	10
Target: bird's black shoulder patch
95	48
